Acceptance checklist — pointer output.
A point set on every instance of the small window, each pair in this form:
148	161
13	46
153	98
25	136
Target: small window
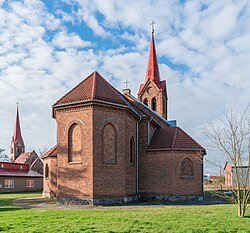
74	143
30	183
145	101
46	171
154	104
9	184
132	150
164	106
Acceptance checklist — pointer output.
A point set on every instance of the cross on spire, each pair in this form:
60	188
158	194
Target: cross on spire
152	26
126	83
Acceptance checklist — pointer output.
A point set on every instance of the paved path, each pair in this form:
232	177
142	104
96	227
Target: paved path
39	202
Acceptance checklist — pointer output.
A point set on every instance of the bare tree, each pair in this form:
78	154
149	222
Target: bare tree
3	157
231	135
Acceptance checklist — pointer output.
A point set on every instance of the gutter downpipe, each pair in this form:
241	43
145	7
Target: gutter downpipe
137	157
149	129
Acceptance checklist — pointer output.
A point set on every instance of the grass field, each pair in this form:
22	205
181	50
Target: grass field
193	218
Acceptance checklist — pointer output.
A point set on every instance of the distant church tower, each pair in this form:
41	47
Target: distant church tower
17	145
153	92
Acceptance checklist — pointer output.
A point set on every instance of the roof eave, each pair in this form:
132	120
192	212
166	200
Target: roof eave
178	149
92	102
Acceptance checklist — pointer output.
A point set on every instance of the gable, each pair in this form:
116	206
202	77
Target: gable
149	84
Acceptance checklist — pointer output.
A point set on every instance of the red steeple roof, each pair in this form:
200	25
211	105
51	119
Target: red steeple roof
17	136
152	69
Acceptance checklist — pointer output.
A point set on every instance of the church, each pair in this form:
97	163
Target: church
115	148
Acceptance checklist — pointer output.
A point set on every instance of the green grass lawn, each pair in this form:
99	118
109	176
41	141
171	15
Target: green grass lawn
193	218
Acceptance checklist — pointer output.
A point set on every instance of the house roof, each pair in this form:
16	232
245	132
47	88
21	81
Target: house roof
14	173
51	152
173	138
22	157
94	87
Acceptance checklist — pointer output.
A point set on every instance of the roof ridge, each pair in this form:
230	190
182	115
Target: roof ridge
114	90
155	113
73	88
94	84
174	138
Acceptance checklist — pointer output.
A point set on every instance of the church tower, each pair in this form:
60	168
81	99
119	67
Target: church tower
17	145
153	92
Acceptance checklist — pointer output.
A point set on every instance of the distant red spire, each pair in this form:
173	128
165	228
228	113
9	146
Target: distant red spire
17	136
152	69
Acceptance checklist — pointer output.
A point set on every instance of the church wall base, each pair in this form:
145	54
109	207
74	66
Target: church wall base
97	201
173	198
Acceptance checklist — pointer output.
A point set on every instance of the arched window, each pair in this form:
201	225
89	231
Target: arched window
164	106
145	101
75	143
46	174
132	150
187	168
109	144
153	104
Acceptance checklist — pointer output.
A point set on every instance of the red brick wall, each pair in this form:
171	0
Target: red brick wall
75	179
160	174
50	183
114	179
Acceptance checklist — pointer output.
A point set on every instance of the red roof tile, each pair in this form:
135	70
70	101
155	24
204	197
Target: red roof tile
173	138
22	157
94	87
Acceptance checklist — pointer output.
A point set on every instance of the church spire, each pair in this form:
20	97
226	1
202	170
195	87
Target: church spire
153	91
152	68
17	136
17	144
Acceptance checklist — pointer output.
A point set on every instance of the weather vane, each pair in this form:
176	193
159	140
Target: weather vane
126	83
152	26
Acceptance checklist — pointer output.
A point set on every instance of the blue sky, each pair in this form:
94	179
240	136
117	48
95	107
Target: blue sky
47	47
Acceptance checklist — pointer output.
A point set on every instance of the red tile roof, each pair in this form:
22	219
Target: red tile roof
173	138
22	157
12	173
51	152
94	87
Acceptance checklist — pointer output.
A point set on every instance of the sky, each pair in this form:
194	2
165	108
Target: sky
47	47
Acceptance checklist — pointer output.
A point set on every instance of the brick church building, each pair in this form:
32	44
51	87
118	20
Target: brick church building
113	148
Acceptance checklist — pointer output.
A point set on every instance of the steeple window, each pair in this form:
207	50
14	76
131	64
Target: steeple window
145	101
153	104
